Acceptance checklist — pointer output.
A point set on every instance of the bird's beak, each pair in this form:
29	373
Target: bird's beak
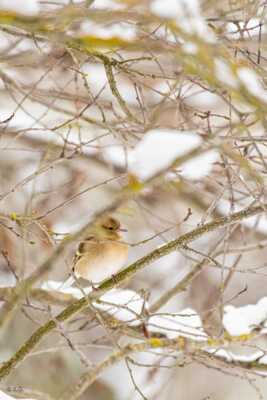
123	230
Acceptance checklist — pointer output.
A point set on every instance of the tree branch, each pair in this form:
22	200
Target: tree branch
122	276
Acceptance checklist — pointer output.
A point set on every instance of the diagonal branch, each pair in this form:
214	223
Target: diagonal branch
128	192
122	276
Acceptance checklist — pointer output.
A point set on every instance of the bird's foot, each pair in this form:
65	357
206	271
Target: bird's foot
94	287
114	278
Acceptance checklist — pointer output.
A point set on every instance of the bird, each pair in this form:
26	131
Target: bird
101	254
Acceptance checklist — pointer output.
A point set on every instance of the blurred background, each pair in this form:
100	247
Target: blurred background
168	100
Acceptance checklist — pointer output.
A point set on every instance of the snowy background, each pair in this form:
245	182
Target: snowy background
167	99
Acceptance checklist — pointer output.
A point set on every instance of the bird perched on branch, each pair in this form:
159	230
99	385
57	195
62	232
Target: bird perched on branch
101	255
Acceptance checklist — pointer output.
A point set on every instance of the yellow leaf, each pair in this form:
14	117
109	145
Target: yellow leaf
181	342
134	184
14	216
94	42
155	342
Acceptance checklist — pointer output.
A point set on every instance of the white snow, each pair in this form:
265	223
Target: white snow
127	305
27	7
187	324
170	8
59	286
159	148
164	89
4	396
252	82
187	15
190	48
199	166
258	223
124	304
118	155
242	320
244	30
121	30
246	358
97	79
7	279
98	84
196	96
224	73
107	4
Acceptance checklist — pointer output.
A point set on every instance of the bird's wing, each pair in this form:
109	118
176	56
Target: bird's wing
81	250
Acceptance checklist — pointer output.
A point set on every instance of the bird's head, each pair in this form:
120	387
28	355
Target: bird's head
109	228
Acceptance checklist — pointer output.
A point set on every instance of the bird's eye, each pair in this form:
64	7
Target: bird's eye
110	228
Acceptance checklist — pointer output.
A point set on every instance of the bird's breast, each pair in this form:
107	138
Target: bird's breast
101	260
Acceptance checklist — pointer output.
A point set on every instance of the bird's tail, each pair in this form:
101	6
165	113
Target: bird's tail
68	283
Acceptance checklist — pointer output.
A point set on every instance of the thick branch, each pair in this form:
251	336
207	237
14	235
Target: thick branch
122	276
126	193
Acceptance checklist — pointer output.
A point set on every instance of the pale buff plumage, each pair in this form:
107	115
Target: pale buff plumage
102	254
100	259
